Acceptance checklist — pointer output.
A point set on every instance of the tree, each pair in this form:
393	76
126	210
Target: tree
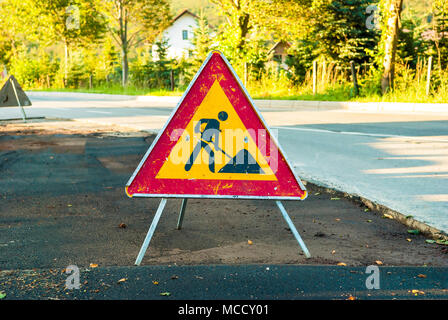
237	14
440	31
135	21
72	22
16	21
389	34
251	23
339	29
202	40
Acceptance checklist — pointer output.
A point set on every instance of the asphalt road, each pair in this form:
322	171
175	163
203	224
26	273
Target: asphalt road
219	282
396	159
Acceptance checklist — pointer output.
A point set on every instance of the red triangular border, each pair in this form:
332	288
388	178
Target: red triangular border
143	182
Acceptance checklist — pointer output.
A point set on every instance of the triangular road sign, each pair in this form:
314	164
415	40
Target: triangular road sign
215	145
8	97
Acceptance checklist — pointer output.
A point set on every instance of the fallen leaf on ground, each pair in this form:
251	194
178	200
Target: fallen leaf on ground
408	240
2	295
337	219
430	241
379	262
317	193
388	216
335	198
351	298
414	231
342	264
69	205
155	282
122	225
249	242
417	292
165	293
333	251
421	275
93	265
122	280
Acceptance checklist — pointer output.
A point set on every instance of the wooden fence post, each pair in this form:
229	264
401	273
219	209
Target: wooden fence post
428	77
324	73
171	80
355	80
314	76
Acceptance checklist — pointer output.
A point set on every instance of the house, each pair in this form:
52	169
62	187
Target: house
279	53
179	35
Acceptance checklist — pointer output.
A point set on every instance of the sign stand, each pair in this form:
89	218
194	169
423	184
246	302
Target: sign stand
181	214
293	229
18	101
151	230
162	204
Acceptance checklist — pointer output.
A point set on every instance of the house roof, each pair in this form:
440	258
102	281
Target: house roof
186	11
279	43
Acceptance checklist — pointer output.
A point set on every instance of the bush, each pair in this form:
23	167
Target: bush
33	70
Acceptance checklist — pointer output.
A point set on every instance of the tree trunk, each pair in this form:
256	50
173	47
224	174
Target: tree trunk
390	41
123	21
125	67
65	64
243	24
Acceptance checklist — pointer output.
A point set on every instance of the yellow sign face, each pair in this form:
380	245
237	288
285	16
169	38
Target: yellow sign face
216	145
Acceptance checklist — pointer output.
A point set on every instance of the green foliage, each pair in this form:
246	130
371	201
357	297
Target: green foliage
132	22
300	60
155	73
440	32
34	68
17	20
115	33
340	30
74	22
202	41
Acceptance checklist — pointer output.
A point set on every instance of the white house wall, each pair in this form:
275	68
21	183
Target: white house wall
173	34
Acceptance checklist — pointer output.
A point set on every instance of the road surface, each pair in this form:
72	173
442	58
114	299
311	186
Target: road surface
395	159
252	282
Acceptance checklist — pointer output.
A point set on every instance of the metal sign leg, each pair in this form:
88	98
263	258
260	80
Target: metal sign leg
293	229
181	214
18	101
151	230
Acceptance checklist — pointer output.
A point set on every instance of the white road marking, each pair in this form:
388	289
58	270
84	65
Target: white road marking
102	112
379	135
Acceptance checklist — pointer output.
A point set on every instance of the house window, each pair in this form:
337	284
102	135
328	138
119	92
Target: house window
184	34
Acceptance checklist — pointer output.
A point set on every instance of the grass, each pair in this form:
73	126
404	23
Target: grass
117	89
407	91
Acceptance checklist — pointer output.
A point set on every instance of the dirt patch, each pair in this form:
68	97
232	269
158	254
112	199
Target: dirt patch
74	211
60	126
